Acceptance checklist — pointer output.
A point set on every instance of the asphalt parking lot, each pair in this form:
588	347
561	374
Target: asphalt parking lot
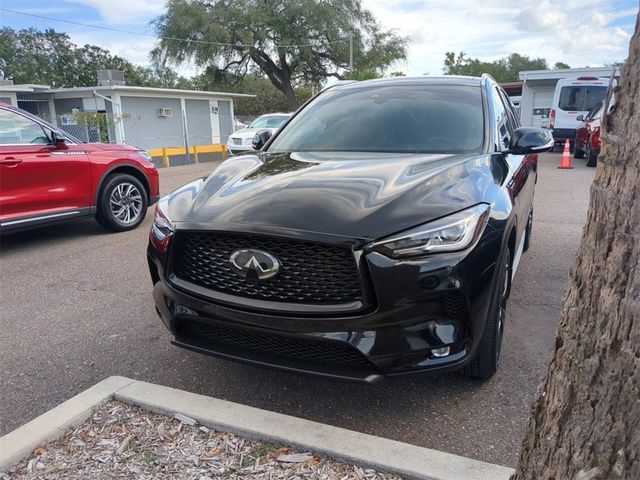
76	307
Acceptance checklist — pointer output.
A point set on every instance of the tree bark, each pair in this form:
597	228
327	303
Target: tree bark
585	423
280	76
290	96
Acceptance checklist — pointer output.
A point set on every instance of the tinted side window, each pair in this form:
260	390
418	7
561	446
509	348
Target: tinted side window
593	96
580	97
503	126
18	130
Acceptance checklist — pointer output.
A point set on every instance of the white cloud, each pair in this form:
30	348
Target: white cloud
541	17
125	11
577	32
132	47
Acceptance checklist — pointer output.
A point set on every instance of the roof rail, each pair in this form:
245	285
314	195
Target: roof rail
485	77
337	84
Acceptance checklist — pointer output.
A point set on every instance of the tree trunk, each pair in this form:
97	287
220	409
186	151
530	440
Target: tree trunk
585	423
290	96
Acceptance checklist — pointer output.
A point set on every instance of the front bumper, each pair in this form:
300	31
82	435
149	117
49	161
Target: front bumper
239	149
560	135
420	305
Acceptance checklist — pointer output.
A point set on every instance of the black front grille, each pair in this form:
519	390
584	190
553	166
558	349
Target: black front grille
210	336
310	273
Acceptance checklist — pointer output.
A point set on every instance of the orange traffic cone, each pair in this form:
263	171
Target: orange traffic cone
565	161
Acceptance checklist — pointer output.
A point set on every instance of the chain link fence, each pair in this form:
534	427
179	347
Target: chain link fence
88	126
176	139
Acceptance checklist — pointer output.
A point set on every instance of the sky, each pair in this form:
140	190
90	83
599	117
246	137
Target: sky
577	32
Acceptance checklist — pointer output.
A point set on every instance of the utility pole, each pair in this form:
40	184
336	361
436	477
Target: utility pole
350	52
185	129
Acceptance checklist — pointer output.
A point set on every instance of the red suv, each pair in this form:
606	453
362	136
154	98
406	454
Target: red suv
49	176
588	140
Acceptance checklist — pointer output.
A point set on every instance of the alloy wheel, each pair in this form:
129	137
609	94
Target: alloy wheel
502	308
126	203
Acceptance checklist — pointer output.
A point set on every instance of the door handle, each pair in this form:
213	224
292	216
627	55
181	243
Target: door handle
10	161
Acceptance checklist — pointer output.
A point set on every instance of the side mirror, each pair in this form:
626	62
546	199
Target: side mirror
580	118
260	139
58	140
530	140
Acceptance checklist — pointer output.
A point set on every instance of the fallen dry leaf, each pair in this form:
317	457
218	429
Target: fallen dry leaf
121	441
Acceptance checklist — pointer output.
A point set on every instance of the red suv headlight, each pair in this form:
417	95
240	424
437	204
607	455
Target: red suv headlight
161	230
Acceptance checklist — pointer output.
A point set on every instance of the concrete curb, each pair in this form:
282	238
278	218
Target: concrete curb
337	443
19	443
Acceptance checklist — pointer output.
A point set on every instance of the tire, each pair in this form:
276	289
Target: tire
592	157
527	232
122	204
578	153
487	358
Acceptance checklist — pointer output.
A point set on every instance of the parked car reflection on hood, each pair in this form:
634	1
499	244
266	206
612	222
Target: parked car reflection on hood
241	140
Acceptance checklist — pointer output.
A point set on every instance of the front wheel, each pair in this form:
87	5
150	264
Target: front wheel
592	157
578	152
487	358
122	204
527	232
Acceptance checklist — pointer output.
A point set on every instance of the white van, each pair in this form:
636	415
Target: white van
573	97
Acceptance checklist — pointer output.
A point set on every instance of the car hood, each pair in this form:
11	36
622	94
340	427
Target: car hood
250	132
110	147
356	195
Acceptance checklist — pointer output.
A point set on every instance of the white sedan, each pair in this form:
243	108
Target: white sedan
241	140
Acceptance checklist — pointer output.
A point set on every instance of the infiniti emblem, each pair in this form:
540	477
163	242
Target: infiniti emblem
254	264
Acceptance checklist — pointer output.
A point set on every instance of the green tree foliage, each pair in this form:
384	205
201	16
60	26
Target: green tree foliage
51	58
289	41
560	66
363	74
503	70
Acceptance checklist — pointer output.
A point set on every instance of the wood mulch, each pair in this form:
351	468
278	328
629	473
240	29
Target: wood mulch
124	441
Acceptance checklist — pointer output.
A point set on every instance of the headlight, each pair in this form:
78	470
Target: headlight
161	230
145	155
449	234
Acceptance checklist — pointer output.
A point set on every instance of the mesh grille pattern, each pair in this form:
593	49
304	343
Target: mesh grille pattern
456	306
273	344
310	273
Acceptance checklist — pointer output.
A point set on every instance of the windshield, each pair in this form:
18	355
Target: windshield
580	98
402	118
269	121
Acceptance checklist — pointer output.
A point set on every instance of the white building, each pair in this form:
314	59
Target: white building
538	88
149	118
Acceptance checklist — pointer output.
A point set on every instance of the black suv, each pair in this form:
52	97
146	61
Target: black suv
376	233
